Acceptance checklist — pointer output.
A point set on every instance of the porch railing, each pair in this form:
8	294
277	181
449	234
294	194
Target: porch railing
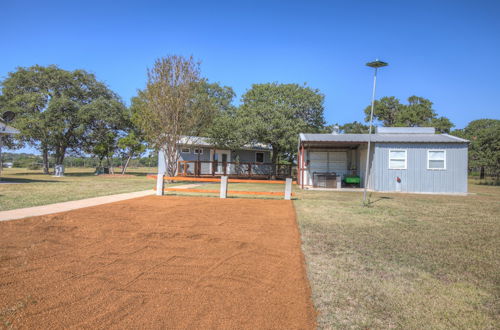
201	168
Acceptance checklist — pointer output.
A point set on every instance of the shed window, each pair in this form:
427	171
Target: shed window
259	157
198	151
397	159
185	150
436	159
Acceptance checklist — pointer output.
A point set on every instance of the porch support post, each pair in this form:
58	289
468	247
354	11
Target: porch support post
223	186
288	189
299	160
159	184
302	168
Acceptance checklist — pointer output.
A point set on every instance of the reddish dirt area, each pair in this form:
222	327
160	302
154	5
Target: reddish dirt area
157	262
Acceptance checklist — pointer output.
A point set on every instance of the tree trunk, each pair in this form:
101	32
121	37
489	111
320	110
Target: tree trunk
45	157
274	160
124	168
60	154
481	174
110	165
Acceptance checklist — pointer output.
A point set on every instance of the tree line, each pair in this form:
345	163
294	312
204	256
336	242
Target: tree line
60	111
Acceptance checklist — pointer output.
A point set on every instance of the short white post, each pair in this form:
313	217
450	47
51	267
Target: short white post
159	184
288	189
339	182
223	186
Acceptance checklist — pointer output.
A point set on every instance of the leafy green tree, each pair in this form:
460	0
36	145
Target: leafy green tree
354	128
227	130
104	122
52	106
276	113
211	101
484	147
418	112
133	143
170	110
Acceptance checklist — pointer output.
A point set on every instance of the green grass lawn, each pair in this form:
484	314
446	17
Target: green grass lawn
32	188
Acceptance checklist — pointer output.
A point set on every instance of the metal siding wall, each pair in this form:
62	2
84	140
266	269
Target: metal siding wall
362	165
192	156
248	156
417	178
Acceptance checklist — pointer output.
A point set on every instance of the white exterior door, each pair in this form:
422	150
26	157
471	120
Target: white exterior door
222	158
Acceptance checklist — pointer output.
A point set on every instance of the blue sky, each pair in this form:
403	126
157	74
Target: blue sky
447	51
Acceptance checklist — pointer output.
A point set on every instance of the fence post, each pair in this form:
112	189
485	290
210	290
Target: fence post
288	189
159	184
223	186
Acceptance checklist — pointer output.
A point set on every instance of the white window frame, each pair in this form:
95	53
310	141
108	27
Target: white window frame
406	159
263	157
183	150
198	151
428	160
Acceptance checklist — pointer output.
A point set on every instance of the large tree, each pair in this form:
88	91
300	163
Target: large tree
418	112
132	143
276	113
170	110
484	148
211	100
51	104
348	128
227	130
105	122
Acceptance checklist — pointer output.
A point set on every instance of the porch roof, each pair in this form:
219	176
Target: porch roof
6	129
205	142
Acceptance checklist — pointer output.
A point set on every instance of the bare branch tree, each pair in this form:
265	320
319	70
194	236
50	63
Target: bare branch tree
169	113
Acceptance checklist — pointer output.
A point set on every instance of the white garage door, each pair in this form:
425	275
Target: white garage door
328	161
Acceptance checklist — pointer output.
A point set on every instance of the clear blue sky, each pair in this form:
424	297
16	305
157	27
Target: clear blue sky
447	51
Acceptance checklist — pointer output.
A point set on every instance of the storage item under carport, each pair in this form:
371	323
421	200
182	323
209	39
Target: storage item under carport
324	180
352	180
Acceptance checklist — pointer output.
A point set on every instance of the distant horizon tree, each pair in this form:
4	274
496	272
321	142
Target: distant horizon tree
51	106
484	147
417	113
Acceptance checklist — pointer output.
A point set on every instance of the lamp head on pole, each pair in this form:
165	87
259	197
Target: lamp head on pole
377	64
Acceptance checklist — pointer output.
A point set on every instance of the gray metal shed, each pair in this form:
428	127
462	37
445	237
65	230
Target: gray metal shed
403	159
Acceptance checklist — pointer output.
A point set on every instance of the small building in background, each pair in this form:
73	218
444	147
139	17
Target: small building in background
402	159
197	156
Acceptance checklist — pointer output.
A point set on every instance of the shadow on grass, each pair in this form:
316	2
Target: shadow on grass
379	199
18	180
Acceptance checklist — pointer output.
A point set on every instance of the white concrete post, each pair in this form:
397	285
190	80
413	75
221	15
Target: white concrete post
339	182
223	186
288	189
159	184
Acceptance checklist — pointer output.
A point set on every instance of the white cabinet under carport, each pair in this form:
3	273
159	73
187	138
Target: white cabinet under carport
327	162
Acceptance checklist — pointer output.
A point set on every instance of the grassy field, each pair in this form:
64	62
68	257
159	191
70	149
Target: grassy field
32	188
408	261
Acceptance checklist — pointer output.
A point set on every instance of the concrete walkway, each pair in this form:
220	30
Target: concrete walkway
67	206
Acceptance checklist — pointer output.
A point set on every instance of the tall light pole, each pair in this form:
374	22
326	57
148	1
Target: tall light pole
375	64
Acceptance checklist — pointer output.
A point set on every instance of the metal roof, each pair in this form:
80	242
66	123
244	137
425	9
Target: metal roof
6	129
382	137
205	142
